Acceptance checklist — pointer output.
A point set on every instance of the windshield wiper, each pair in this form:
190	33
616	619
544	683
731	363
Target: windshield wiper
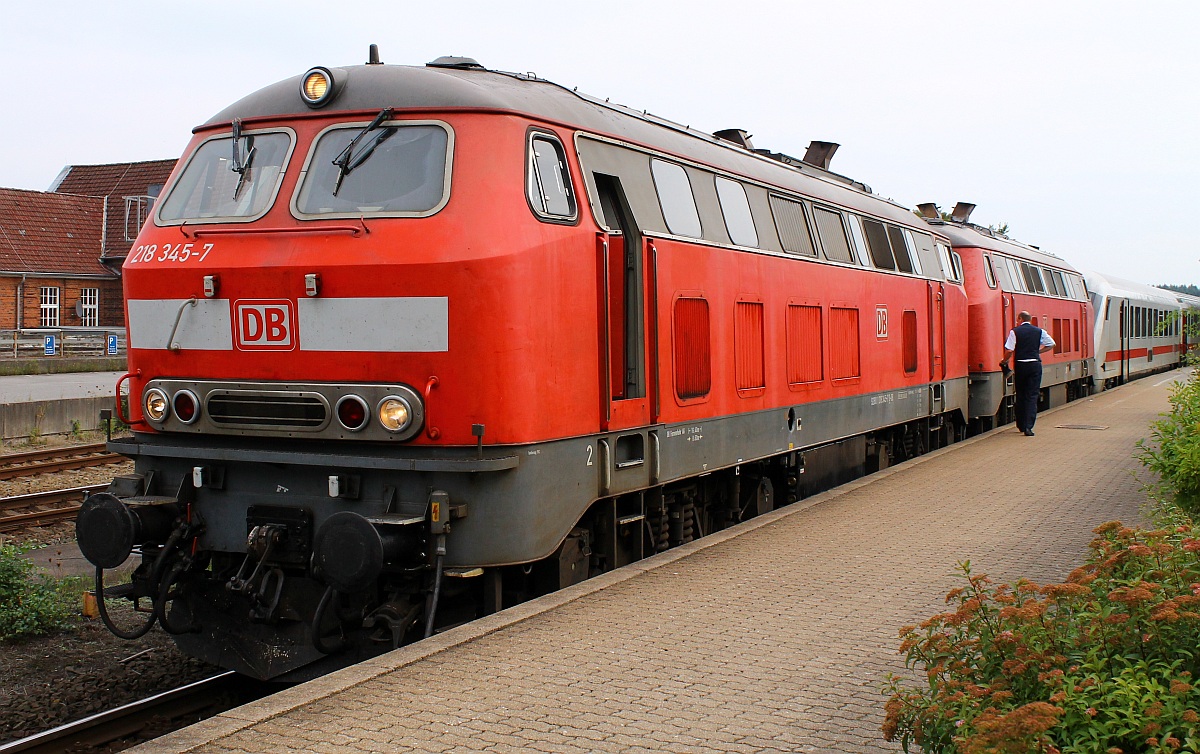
237	166
347	160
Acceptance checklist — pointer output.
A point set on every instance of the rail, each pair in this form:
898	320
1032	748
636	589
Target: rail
170	710
13	465
47	507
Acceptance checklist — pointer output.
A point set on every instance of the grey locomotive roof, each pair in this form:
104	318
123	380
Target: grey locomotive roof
983	238
369	88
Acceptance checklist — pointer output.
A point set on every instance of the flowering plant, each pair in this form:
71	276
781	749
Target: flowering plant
1105	662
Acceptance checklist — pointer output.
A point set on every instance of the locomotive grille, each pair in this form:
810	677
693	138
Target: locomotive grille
295	411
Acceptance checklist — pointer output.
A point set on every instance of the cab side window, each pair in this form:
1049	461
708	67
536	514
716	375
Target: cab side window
548	182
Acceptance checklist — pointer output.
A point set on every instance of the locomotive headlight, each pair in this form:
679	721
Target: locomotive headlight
154	404
394	413
316	87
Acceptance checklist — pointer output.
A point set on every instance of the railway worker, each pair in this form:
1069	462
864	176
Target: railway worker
1027	342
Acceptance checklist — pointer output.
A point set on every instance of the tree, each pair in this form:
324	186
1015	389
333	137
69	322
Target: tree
1189	289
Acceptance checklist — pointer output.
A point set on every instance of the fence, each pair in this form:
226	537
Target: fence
62	342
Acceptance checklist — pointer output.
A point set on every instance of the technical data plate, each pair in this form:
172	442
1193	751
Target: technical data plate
1080	426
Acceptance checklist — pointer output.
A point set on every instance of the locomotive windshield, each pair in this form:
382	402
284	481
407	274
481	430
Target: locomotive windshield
215	186
394	170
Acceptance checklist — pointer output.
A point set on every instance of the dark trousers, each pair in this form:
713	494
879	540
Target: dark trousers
1028	381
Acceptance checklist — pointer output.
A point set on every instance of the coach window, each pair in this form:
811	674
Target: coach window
1061	281
736	210
792	226
1014	271
549	179
943	252
956	260
833	235
899	249
1033	278
224	183
860	243
1065	280
877	243
988	272
400	168
911	244
675	197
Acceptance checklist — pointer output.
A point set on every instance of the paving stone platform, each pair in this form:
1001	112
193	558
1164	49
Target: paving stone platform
774	636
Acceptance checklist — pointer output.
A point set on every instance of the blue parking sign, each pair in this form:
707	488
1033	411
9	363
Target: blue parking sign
112	345
51	345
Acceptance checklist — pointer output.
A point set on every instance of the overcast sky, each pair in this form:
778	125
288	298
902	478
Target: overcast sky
1076	123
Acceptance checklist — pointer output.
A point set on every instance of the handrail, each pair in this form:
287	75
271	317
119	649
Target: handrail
431	431
171	344
124	419
354	230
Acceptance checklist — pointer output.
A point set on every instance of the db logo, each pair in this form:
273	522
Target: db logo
265	325
881	323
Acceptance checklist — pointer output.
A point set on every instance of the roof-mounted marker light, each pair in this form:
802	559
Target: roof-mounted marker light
317	87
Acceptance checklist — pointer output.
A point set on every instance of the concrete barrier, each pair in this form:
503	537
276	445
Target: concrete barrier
20	420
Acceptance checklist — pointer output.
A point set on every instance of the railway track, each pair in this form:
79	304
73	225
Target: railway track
148	718
13	465
40	508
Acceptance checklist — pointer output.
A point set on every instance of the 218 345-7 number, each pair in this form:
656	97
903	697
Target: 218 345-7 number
179	252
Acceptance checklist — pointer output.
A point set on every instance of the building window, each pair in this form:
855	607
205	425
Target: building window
89	300
49	310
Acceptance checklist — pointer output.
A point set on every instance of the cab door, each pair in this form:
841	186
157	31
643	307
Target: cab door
937	331
623	258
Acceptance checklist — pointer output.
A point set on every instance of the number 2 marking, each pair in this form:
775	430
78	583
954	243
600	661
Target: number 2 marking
589	455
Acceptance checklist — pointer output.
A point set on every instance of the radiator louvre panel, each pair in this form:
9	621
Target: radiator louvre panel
910	342
748	340
693	356
843	344
804	345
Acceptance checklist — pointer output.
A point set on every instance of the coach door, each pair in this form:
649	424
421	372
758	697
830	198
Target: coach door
622	253
1125	330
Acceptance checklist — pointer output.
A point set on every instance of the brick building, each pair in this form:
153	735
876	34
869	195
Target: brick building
61	251
50	270
128	189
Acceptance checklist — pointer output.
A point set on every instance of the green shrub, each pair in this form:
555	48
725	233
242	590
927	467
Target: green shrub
1173	449
1105	662
31	605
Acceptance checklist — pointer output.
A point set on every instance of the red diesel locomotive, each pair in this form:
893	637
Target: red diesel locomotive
407	344
1003	278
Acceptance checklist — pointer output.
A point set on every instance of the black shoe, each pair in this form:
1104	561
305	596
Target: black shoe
1029	433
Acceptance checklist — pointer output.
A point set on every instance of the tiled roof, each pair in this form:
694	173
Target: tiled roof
116	181
50	233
